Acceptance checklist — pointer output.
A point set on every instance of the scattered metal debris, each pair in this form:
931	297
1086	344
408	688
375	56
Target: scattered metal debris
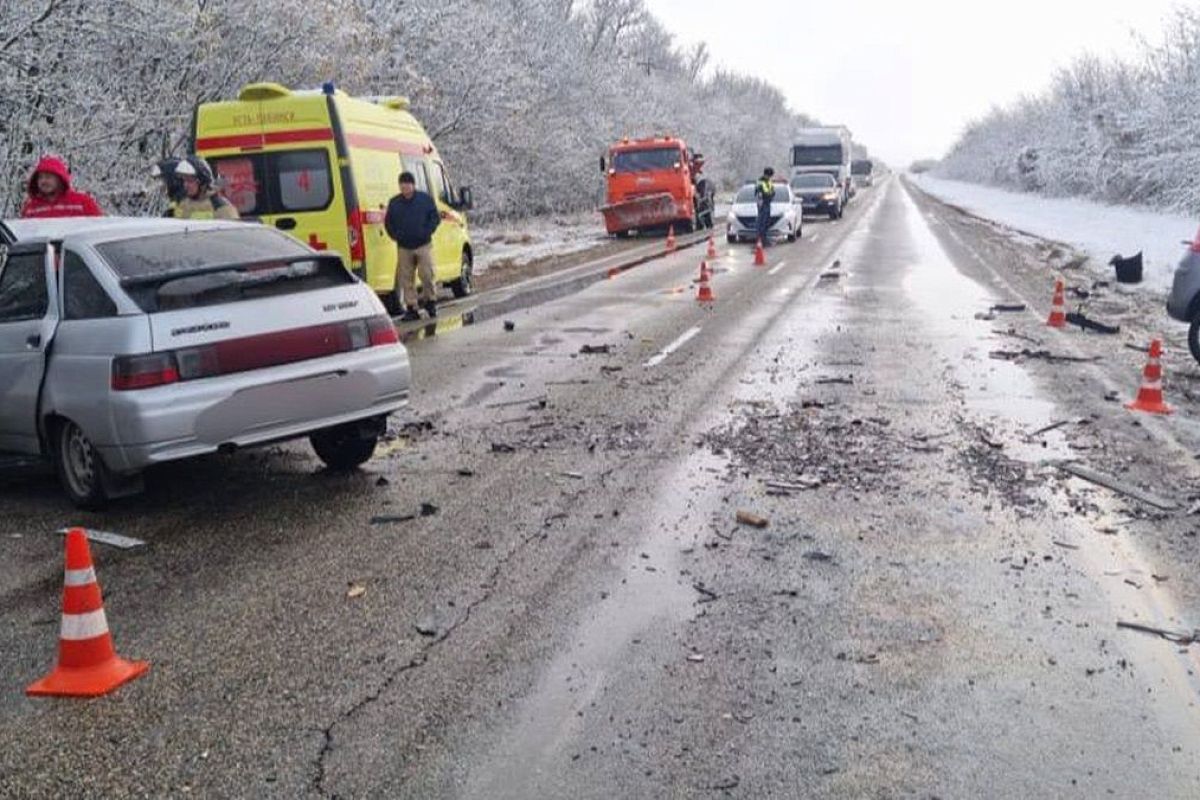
1178	637
1043	355
105	537
1110	482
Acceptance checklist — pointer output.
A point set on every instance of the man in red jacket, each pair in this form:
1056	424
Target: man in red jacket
51	195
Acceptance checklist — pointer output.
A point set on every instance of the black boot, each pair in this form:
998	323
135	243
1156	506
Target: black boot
431	308
410	315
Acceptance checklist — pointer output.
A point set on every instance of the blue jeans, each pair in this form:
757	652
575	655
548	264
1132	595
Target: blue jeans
764	223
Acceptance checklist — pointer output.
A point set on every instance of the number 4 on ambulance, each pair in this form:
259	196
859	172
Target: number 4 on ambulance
323	165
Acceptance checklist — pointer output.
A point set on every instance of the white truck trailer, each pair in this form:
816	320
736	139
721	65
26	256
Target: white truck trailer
828	149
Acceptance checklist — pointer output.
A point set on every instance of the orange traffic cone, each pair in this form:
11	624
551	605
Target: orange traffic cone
705	272
705	293
712	247
87	664
760	257
1150	394
670	238
1058	309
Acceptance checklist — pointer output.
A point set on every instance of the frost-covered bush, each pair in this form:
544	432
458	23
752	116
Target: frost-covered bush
1107	130
521	95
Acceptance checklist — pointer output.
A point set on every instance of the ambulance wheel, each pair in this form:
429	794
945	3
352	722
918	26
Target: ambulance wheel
462	287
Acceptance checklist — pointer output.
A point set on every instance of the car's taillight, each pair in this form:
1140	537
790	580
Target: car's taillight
382	331
1195	248
251	352
354	230
143	372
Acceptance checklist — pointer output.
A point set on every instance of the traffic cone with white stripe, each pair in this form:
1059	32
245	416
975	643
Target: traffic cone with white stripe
670	238
712	247
1150	394
88	666
704	294
1058	309
760	256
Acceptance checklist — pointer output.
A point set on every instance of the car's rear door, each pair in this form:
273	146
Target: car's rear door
28	317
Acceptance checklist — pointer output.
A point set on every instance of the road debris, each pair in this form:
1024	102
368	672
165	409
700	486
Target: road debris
1065	545
1178	637
695	658
754	520
595	349
1051	427
817	555
429	509
1041	355
826	381
1078	318
800	484
388	519
503	447
730	783
1009	308
709	594
539	401
1115	484
106	537
355	590
509	325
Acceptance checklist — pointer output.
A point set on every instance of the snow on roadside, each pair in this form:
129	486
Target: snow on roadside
1098	230
517	242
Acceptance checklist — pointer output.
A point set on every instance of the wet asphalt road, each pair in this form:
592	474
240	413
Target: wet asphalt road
930	611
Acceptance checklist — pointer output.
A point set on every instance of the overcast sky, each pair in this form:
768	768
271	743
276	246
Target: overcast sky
906	75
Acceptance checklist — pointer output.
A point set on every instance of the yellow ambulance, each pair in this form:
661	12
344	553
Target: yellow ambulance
322	165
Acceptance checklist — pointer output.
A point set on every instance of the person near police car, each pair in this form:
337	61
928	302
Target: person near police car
764	194
411	219
190	186
49	193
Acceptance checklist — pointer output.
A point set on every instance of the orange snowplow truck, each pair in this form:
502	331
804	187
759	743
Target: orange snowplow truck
655	183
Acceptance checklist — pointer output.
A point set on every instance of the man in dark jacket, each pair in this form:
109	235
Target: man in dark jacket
411	219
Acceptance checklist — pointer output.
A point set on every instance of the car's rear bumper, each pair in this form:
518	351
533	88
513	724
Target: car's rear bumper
193	418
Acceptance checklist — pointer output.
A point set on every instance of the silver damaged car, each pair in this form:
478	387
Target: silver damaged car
126	343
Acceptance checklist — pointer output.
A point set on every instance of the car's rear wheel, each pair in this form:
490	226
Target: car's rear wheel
344	447
463	286
1194	337
81	469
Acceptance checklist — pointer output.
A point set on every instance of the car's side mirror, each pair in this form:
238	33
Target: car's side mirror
465	200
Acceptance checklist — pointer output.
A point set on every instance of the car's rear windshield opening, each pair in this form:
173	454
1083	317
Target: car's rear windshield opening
202	268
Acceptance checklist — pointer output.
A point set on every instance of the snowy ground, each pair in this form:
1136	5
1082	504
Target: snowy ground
1098	230
518	242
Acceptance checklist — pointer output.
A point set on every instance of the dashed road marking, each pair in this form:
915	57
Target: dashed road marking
683	339
777	267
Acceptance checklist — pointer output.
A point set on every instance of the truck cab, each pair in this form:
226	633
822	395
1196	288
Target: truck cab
655	183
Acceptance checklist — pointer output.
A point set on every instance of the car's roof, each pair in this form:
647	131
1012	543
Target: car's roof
100	229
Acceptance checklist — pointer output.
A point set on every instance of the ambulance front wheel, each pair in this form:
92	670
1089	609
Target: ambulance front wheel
463	286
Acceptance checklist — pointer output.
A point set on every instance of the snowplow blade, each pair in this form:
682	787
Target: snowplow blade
640	212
